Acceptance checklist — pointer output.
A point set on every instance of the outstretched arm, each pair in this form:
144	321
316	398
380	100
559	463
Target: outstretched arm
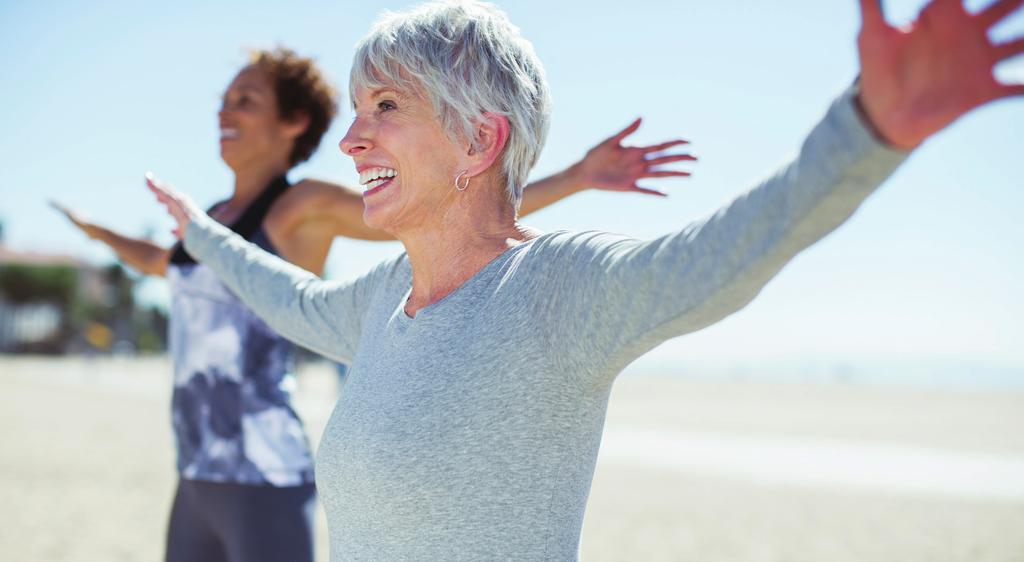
609	166
914	82
625	296
138	253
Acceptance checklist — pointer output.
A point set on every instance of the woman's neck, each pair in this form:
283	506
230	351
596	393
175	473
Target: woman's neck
456	245
250	182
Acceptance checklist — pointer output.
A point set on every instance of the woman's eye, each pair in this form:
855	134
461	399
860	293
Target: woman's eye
386	106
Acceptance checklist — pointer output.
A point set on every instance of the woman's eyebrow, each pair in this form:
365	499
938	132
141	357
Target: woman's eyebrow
382	92
387	91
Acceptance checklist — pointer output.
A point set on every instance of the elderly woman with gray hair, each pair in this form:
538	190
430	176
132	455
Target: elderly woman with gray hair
483	357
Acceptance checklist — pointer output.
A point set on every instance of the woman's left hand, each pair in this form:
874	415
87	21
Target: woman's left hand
613	167
919	78
179	205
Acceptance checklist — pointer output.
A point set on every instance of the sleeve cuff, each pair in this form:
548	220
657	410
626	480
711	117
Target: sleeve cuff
850	117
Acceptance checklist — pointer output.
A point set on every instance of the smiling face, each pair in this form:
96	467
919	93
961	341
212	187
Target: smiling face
406	162
251	130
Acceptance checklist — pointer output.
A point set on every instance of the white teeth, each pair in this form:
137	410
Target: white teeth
372	174
229	133
375	183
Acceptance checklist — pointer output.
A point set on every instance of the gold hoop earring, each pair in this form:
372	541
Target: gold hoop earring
464	186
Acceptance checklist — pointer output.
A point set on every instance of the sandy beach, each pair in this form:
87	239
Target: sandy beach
704	471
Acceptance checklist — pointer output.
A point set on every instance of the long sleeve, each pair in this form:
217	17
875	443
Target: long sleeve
626	296
324	316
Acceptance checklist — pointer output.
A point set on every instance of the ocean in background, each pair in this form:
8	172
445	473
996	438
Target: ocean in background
927	373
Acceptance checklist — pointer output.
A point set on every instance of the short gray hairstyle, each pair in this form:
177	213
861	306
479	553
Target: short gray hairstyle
468	59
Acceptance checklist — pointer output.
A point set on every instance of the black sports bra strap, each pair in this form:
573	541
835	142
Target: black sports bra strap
249	223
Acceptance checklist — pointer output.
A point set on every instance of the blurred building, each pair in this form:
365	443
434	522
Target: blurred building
53	303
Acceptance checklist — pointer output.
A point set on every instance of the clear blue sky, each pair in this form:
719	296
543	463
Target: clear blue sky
94	94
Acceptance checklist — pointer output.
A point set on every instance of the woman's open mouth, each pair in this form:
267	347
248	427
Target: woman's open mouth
374	180
228	134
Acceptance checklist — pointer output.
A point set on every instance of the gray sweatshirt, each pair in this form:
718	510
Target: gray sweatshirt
470	432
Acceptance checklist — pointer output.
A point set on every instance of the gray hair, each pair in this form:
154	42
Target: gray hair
469	59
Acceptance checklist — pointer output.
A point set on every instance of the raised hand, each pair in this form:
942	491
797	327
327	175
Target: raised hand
613	167
179	205
919	78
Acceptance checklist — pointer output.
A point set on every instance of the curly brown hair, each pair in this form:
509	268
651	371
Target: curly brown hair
301	90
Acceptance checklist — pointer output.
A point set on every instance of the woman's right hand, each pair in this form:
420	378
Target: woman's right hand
179	205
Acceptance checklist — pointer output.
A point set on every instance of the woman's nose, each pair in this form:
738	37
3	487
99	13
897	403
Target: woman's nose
225	109
355	140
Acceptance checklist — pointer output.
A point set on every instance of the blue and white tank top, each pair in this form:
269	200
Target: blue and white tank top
233	376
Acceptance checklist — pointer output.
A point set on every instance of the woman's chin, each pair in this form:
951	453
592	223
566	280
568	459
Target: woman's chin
232	157
378	205
375	217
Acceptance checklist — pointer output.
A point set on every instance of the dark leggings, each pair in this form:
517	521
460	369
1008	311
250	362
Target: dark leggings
214	522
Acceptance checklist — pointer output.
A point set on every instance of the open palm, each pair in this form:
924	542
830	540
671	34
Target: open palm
613	167
919	78
179	206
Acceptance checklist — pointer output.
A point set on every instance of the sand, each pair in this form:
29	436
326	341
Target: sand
708	471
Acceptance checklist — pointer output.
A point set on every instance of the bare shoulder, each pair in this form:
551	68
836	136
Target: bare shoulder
304	200
324	207
319	188
312	191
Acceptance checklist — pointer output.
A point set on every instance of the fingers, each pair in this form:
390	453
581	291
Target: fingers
997	12
69	214
649	191
663	146
941	12
651	163
158	185
1010	90
64	210
159	192
164	193
617	138
154	184
669	159
871	14
664	174
1013	48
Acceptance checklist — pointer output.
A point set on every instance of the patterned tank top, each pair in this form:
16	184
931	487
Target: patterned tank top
233	376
